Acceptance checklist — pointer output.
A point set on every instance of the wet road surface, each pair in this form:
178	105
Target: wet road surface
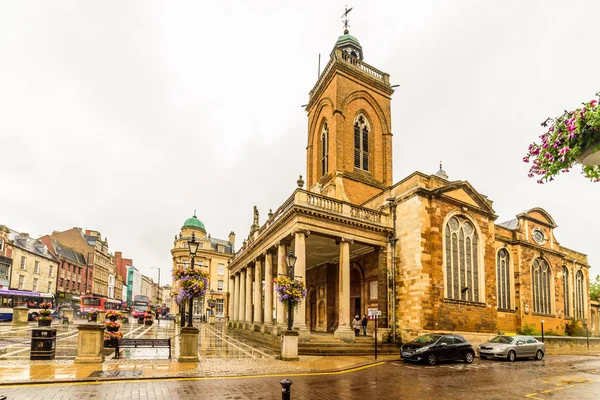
556	377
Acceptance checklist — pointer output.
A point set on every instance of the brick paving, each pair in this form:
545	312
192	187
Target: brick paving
563	377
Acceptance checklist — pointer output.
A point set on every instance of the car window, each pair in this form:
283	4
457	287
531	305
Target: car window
447	340
531	340
503	339
458	339
427	339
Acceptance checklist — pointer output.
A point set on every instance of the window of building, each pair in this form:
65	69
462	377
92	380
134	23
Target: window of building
579	296
60	282
35	284
4	271
324	148
461	271
36	267
1	244
49	286
540	278
361	143
23	262
21	282
51	270
566	292
503	281
373	294
219	308
220	284
221	269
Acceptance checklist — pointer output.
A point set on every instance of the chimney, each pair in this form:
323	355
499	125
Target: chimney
232	238
24	234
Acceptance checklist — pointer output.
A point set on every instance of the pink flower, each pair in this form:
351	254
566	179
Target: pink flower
593	103
526	159
564	151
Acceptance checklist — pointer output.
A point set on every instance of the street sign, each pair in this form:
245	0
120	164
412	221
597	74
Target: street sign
373	312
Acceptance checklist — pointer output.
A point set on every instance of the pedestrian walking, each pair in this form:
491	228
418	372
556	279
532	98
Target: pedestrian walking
365	321
356	325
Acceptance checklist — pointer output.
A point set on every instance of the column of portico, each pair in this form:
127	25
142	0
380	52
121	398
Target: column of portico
344	332
281	270
242	299
258	319
268	318
230	304
248	319
300	271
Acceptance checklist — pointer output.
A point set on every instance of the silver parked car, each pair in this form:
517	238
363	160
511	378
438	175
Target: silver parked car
512	347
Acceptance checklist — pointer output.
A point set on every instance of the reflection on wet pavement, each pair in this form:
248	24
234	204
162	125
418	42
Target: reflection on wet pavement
214	341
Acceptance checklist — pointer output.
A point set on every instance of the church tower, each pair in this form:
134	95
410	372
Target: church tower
349	151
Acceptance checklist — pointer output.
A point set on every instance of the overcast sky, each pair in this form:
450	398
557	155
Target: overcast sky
124	117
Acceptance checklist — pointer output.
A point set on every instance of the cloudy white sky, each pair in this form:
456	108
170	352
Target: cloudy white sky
124	117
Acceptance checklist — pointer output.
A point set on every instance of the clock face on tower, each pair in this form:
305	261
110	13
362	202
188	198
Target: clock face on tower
538	236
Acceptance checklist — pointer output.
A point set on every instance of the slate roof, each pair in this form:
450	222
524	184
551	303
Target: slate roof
512	224
29	244
215	242
68	253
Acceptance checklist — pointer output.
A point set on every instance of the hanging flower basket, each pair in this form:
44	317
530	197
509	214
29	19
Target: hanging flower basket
112	326
111	338
113	315
573	138
290	292
192	282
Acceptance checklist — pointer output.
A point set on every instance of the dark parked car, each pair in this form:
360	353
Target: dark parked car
435	347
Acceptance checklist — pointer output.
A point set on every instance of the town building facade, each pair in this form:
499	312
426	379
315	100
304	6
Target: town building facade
6	260
214	255
34	267
74	278
425	252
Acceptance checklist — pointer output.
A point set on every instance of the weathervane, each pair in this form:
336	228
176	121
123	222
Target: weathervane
345	19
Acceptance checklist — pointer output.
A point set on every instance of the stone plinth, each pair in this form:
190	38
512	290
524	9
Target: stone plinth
101	317
211	320
345	334
289	346
304	335
20	316
90	343
188	344
67	313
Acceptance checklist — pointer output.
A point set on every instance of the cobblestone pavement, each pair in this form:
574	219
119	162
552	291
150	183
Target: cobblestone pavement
558	377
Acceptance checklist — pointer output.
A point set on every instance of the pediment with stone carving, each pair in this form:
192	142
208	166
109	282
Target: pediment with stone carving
463	192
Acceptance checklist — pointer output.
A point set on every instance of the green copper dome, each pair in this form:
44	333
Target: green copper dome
347	39
194	222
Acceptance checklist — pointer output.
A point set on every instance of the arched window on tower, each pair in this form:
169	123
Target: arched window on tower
462	261
361	142
324	149
540	278
566	291
579	296
503	282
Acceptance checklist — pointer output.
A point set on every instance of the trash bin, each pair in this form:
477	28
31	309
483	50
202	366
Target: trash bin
43	344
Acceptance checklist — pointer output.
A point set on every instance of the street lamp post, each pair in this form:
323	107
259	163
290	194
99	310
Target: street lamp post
158	291
291	261
193	247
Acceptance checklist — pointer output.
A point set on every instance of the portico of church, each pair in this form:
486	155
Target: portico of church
342	256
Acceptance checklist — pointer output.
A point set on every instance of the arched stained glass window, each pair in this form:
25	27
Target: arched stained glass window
540	278
579	296
324	149
462	263
566	291
361	142
503	281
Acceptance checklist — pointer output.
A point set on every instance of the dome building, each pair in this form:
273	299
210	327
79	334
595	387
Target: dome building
214	255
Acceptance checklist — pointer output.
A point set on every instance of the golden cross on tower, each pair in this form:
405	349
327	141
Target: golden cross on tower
345	19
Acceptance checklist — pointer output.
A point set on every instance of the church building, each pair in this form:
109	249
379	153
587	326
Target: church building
426	251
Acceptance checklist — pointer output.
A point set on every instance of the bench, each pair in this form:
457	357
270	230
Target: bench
142	343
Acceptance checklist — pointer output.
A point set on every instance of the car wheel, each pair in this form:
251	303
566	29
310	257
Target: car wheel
432	359
512	356
469	356
539	355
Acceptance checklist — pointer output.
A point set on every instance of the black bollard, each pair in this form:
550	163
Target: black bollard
286	390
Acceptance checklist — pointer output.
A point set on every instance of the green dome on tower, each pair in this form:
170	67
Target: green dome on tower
194	223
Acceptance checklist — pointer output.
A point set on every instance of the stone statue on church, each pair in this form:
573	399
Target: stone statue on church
255	222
